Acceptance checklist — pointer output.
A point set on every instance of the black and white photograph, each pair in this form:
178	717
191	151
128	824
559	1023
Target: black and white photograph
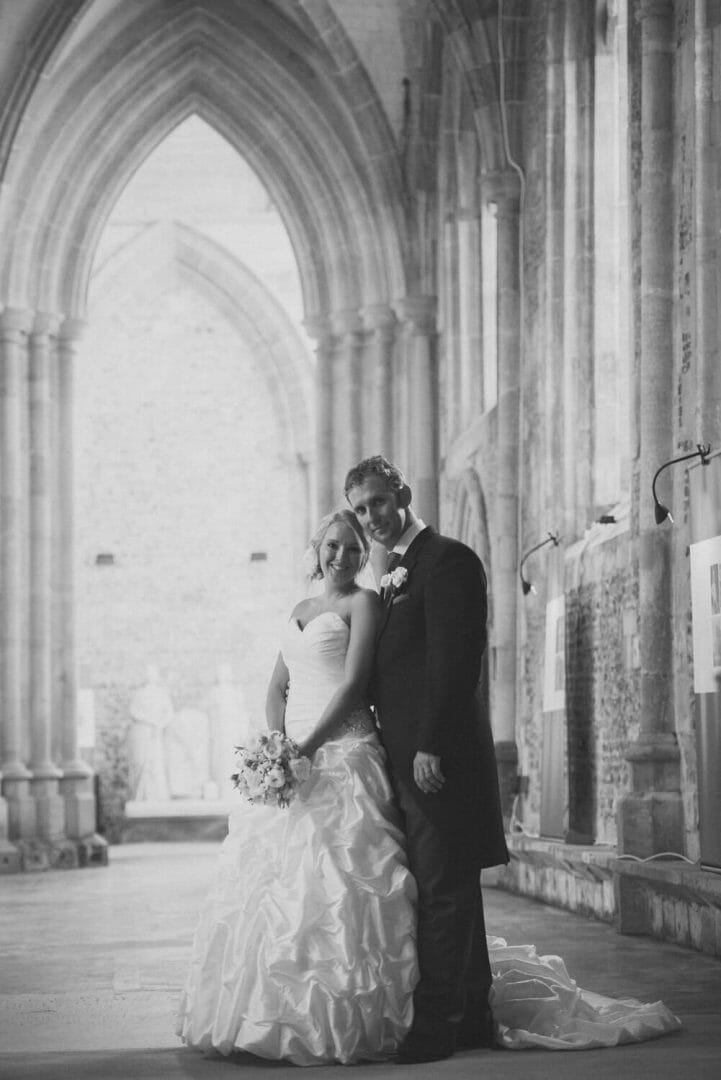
360	539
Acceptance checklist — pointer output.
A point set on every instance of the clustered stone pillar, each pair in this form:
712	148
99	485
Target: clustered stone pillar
420	339
14	328
76	785
350	412
48	804
319	329
706	224
380	324
505	525
355	393
50	816
651	816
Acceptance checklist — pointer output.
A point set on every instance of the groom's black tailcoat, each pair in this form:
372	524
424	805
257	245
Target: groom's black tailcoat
425	684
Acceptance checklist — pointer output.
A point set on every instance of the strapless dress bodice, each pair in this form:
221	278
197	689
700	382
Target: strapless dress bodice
315	657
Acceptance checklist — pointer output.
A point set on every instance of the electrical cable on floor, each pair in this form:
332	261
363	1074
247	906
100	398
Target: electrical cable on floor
660	855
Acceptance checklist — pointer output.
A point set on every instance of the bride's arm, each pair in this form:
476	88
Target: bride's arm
276	696
352	691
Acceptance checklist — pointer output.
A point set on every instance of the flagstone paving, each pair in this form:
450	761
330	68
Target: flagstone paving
92	961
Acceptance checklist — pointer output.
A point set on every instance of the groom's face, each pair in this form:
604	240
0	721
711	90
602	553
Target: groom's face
378	509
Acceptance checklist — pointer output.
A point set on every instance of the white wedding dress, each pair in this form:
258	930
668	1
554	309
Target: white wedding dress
305	947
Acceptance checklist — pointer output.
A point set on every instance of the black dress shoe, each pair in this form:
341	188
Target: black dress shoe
418	1048
481	1034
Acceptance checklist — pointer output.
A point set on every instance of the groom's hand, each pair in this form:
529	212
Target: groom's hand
427	773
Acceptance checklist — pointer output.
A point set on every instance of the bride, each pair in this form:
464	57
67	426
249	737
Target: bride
305	946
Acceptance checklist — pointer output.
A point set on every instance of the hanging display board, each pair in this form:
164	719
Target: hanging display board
705	569
554	794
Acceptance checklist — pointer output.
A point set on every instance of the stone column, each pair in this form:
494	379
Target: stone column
420	340
706	228
651	816
49	806
469	339
319	330
349	414
76	785
14	327
377	436
504	523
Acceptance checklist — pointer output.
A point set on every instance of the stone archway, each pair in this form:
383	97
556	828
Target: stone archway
194	437
282	88
278	349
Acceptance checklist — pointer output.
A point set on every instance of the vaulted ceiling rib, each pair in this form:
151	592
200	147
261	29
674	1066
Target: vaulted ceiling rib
262	83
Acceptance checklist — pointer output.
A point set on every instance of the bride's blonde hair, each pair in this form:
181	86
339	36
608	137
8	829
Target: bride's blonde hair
336	517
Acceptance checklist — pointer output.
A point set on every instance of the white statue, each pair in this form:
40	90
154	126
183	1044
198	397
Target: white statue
186	748
151	710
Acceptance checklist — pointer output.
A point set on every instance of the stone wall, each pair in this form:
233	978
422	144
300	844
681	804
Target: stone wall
602	698
188	555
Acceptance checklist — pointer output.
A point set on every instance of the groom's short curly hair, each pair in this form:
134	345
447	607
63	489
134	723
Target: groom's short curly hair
375	466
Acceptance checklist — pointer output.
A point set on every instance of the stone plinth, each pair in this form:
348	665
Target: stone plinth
176	819
9	857
671	900
572	876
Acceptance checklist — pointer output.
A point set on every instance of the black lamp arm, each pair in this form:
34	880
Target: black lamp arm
550	539
702	450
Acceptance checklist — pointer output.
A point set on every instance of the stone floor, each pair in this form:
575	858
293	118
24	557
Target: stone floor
91	962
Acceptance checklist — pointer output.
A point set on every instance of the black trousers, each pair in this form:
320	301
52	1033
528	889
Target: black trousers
455	972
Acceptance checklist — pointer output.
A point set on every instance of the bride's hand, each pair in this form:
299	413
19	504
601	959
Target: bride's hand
308	749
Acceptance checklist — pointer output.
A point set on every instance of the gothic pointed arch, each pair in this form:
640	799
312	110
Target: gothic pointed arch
274	343
267	80
485	58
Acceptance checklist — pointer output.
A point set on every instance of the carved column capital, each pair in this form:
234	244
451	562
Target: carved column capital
346	323
379	318
71	331
318	327
14	322
45	325
418	313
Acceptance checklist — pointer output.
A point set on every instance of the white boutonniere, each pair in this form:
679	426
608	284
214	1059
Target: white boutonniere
395	580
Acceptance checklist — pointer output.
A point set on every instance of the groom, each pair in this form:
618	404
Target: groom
440	746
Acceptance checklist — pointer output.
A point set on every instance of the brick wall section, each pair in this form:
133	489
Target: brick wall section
602	673
530	705
580	679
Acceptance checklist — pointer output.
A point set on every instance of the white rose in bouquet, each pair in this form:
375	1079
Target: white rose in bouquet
254	783
275	777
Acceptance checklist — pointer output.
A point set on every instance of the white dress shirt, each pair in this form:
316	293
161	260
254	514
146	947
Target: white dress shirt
407	538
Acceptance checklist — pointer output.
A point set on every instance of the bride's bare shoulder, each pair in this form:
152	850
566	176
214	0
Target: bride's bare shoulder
304	608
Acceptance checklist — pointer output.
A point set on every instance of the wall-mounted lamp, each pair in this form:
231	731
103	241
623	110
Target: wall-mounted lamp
526	585
660	511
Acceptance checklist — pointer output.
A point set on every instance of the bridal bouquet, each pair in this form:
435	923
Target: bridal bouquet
270	769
